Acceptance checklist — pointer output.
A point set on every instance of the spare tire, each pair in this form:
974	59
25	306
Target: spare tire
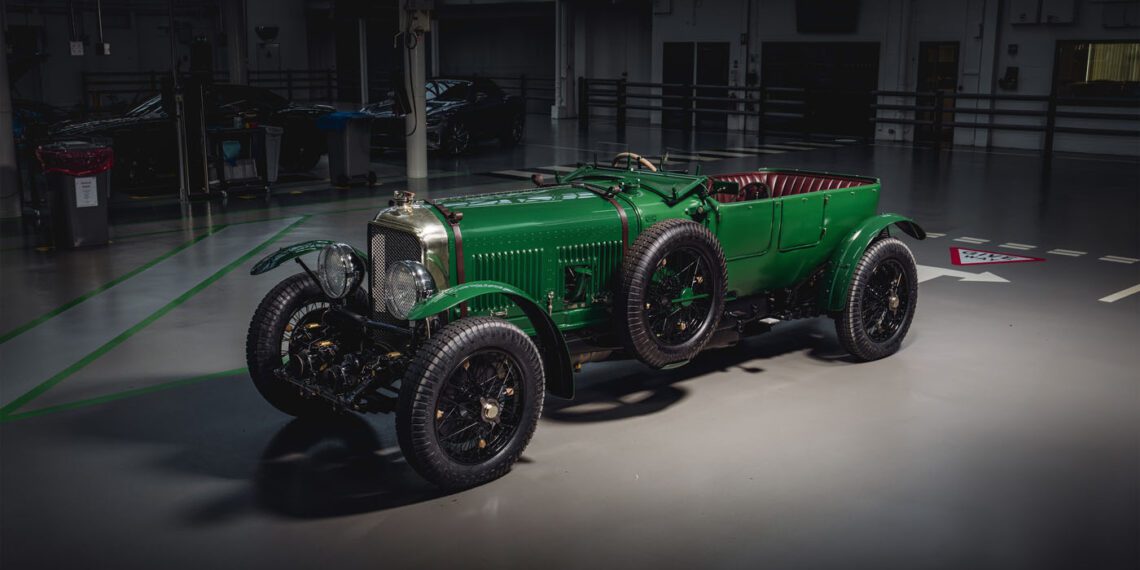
672	293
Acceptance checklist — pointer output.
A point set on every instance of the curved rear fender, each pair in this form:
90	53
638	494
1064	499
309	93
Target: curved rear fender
555	355
847	255
297	250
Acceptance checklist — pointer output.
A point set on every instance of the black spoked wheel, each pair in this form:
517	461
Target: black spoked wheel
881	301
470	402
678	300
885	300
458	139
480	407
292	309
672	292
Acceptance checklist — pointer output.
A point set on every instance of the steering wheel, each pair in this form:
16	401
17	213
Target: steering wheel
644	162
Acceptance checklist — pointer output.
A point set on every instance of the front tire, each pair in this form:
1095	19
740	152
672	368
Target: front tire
470	402
294	302
881	301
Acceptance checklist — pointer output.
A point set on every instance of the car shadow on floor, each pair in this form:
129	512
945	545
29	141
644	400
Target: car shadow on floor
333	467
342	464
641	391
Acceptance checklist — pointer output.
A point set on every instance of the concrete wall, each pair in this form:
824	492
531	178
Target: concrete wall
292	51
140	42
983	29
1034	58
498	41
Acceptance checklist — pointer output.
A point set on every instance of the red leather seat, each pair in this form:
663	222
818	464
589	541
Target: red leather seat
781	184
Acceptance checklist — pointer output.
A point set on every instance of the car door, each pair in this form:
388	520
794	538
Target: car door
745	228
802	220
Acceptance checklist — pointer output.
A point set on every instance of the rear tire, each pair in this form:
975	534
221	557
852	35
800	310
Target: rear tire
470	402
514	132
457	139
881	301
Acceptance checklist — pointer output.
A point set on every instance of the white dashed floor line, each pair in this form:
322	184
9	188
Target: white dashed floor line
756	150
691	157
934	235
1067	252
784	146
515	173
725	154
1120	294
1119	259
1018	246
821	145
972	240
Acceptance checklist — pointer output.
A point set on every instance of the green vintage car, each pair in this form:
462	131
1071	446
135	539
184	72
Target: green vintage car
466	311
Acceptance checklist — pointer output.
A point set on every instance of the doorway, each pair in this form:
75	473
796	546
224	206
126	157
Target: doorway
685	64
937	71
836	79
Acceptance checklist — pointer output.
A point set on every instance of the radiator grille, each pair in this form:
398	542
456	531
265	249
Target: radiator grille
385	247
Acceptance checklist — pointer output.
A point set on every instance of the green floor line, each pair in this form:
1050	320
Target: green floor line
121	395
56	311
285	217
94	355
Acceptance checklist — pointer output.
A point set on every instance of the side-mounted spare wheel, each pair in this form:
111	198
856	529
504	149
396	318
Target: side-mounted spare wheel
295	303
470	402
672	292
881	301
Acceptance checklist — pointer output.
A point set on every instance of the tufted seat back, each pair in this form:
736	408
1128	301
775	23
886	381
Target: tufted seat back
781	184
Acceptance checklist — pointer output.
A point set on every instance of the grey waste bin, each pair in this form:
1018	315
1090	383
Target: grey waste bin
349	138
272	151
78	176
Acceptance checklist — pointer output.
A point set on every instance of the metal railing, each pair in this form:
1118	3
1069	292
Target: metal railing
297	84
1048	114
104	88
527	88
776	109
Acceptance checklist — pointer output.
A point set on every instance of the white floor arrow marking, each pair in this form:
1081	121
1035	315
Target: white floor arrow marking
1121	294
928	272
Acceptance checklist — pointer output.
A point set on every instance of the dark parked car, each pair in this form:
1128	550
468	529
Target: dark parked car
144	140
460	112
28	116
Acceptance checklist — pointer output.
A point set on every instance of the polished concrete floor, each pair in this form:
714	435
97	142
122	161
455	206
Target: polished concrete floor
1005	434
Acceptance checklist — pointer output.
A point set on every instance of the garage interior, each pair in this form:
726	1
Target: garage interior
1004	433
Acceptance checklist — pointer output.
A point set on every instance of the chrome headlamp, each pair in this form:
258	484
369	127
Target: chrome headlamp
407	283
339	270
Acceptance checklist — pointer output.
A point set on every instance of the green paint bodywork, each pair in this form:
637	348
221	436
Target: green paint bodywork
297	250
847	255
555	357
561	246
548	259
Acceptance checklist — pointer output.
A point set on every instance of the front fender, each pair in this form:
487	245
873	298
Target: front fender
555	355
847	255
297	250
